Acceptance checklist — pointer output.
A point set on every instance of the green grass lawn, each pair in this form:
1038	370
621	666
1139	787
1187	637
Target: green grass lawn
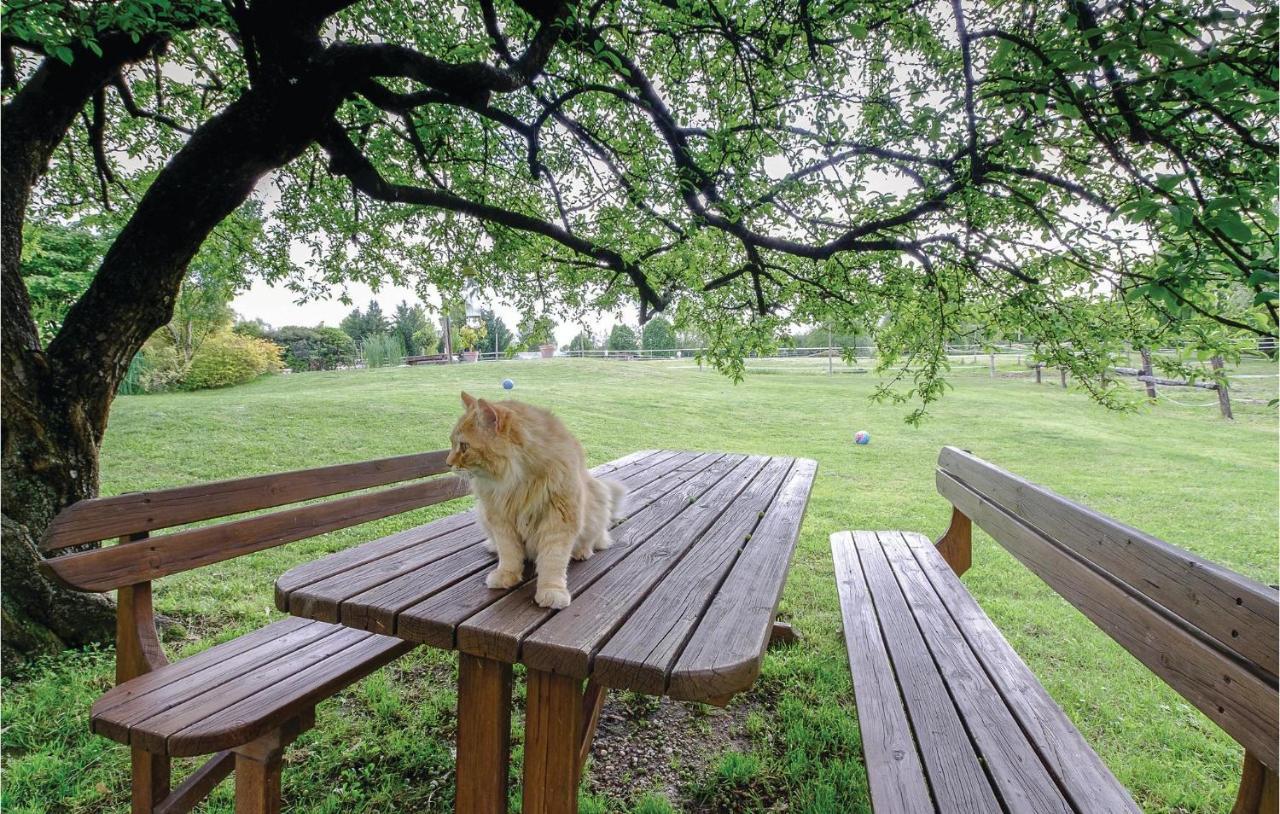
384	745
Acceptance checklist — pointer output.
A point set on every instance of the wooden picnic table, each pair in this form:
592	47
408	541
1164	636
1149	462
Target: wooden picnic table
681	605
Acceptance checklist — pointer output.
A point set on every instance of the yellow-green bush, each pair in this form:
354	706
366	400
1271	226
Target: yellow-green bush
228	358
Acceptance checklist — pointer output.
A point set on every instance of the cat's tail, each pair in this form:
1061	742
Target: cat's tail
617	498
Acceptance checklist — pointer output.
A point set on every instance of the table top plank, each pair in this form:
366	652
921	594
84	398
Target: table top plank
698	526
353	558
724	653
640	654
566	643
435	620
324	599
498	631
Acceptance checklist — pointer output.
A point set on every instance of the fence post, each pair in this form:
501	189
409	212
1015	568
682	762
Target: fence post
1039	367
1062	373
1224	397
1148	372
993	365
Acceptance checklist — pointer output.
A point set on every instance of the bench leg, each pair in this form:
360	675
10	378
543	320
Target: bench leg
258	783
1259	790
484	735
259	763
150	780
552	739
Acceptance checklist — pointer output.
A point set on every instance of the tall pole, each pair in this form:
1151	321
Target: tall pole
830	350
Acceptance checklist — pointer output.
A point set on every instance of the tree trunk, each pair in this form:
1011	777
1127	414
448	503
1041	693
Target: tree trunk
49	458
56	401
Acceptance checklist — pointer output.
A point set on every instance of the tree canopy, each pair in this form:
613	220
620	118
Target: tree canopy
1084	174
744	166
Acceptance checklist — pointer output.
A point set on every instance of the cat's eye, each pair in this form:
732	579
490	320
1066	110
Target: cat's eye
462	446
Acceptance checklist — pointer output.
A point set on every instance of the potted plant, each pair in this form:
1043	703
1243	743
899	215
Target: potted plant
470	337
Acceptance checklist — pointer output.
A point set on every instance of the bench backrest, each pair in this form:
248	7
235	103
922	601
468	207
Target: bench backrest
1208	632
140	558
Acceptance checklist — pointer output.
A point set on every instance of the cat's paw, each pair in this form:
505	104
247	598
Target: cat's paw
552	597
490	546
503	579
583	552
604	542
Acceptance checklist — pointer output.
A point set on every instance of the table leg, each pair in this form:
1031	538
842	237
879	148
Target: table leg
484	732
552	737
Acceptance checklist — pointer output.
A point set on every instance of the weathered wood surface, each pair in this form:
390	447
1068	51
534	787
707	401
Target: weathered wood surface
1059	744
129	563
551	766
484	735
895	774
103	518
940	693
697	525
235	692
1238	699
1239	613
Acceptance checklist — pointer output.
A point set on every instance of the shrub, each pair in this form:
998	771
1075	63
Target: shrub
383	350
229	358
314	348
160	367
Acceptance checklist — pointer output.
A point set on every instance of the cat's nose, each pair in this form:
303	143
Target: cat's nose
451	459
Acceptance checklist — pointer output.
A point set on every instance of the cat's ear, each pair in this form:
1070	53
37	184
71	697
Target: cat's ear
492	416
468	400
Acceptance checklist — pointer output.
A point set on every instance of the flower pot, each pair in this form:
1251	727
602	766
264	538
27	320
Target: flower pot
470	355
547	351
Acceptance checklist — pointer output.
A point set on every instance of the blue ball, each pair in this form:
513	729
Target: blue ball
862	437
507	384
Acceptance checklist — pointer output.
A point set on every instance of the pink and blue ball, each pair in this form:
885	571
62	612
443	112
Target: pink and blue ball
862	437
507	384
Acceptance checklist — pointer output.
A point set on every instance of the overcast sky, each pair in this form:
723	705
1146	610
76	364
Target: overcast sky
278	306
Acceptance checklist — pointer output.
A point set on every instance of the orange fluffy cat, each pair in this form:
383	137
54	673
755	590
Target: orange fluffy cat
536	499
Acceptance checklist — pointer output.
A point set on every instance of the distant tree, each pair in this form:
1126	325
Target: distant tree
353	324
584	341
660	336
361	324
407	321
257	328
499	334
58	262
535	331
375	322
426	338
622	337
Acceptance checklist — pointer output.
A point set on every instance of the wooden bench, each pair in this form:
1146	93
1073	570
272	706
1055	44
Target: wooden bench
244	700
430	359
951	717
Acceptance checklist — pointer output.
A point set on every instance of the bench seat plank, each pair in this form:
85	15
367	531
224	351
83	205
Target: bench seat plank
1068	757
935	637
894	772
234	692
951	761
